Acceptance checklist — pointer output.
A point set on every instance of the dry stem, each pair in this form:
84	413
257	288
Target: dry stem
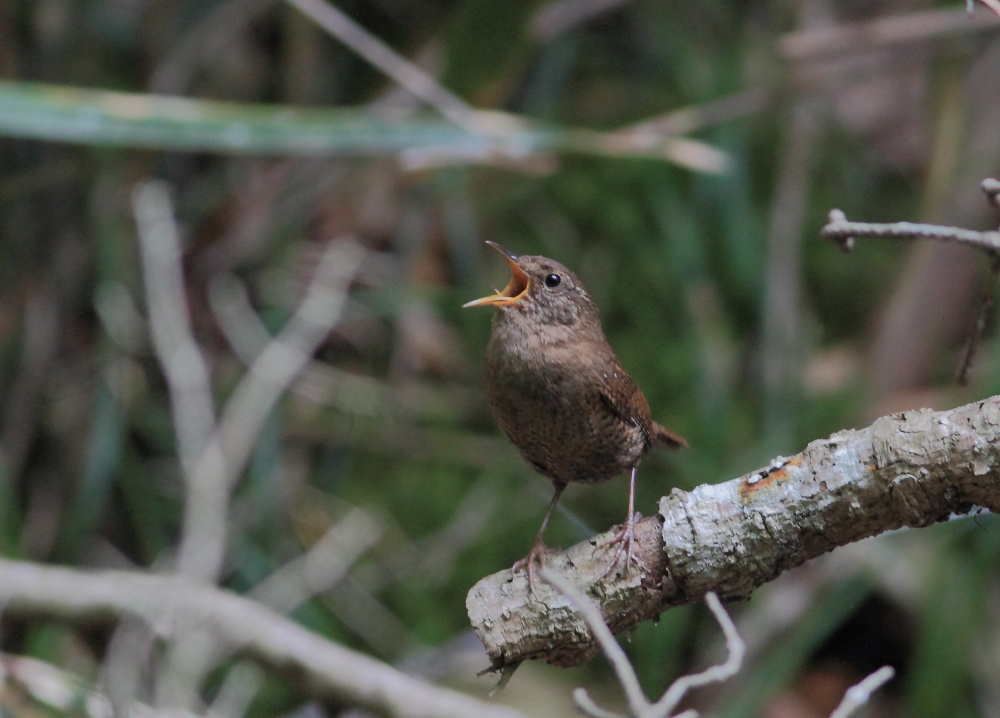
167	602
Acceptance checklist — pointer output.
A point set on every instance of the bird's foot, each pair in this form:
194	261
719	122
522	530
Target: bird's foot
624	538
535	556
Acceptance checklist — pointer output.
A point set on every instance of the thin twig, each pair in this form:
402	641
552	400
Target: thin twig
389	61
591	615
991	187
290	351
323	565
246	411
735	648
993	5
639	705
433	556
557	17
694	118
979	327
588	707
235	696
214	454
318	570
66	692
683	151
319	382
844	232
184	366
126	664
884	32
859	694
321	666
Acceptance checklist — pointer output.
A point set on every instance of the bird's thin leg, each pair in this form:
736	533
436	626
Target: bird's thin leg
538	548
625	536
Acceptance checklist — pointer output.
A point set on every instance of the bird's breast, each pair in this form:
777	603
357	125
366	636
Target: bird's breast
548	402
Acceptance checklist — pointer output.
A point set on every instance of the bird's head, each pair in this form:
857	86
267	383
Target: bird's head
540	291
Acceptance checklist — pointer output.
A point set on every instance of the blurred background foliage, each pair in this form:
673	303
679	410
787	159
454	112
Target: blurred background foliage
749	335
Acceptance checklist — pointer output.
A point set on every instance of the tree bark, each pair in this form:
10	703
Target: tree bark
911	469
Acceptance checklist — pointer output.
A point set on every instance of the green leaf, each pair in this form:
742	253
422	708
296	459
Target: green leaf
117	119
98	117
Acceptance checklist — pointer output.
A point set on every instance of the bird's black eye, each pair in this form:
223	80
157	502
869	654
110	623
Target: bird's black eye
552	280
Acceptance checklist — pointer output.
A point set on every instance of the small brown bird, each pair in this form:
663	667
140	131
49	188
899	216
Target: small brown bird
559	392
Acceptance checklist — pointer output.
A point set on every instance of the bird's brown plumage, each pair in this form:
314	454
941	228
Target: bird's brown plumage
556	387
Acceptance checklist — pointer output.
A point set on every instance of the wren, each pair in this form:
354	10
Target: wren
559	393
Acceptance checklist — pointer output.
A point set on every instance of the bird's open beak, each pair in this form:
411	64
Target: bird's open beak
516	288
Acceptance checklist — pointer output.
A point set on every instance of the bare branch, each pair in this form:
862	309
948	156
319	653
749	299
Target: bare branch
735	651
284	357
993	5
694	118
195	651
910	469
683	151
844	233
639	705
66	692
884	32
557	17
859	694
184	366
323	565
165	602
126	662
389	61
214	453
992	189
236	694
202	549
248	337
591	615
979	326
588	707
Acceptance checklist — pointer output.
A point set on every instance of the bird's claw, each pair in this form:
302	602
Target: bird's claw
625	540
535	556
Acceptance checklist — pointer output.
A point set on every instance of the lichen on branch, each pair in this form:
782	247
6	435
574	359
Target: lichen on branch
911	469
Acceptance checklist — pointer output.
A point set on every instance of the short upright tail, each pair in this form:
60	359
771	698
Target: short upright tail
665	437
